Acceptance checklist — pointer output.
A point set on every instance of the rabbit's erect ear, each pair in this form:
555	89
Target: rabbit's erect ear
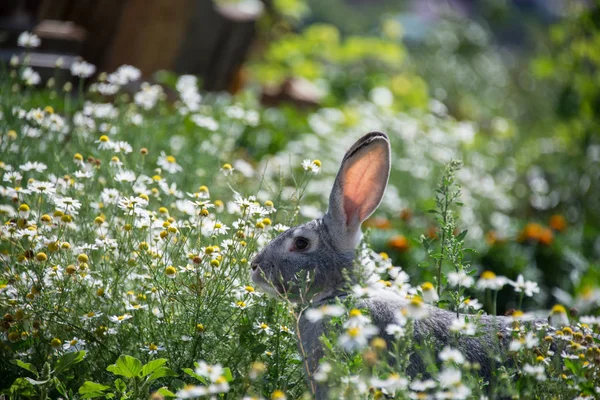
358	188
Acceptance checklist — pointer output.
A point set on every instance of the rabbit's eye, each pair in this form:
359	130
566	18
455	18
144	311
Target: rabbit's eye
300	243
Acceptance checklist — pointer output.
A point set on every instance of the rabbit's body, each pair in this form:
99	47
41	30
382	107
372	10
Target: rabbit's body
325	249
436	327
384	305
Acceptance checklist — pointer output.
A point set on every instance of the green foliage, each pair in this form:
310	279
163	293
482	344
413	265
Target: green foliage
342	67
47	378
139	377
139	257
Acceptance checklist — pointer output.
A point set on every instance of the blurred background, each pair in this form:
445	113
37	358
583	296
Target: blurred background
512	87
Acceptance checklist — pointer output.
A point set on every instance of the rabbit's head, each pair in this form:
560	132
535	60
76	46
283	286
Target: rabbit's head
325	247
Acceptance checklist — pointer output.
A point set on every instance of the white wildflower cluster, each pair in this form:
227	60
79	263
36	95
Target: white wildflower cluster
187	86
30	77
29	40
82	69
123	76
311	166
238	113
206	122
148	96
214	374
358	330
168	163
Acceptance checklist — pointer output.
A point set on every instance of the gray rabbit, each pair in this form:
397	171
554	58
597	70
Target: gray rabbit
325	248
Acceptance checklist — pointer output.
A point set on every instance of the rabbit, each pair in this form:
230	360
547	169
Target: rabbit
325	248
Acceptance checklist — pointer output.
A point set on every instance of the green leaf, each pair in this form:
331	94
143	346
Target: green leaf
572	366
60	387
161	372
29	367
120	385
227	374
153	366
462	235
194	375
22	387
67	360
34	382
177	384
90	389
126	366
165	392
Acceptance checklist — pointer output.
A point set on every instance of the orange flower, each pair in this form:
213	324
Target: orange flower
432	232
406	214
536	232
532	231
558	223
491	238
546	236
399	242
379	223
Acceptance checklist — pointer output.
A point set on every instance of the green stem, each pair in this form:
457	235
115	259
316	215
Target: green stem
520	300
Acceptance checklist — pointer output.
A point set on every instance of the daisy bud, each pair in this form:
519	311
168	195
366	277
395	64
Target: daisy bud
558	316
429	293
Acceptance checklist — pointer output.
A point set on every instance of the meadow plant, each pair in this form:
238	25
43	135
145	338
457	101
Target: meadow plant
129	222
115	258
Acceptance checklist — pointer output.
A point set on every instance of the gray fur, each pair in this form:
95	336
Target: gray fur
333	240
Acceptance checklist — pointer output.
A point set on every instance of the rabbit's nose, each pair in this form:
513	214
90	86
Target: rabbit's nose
254	266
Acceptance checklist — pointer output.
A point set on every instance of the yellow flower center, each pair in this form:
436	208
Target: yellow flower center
171	159
568	330
416	301
355	313
353	332
170	270
488	275
559	309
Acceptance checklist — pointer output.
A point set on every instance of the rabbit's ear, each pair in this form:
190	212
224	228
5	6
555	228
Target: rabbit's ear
358	188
